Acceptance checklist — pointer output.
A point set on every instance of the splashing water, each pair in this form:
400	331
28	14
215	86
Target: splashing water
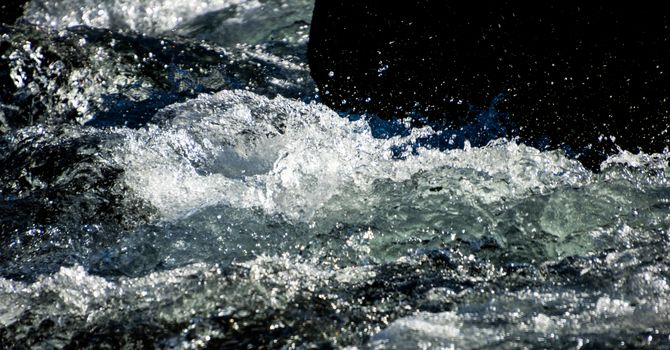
158	190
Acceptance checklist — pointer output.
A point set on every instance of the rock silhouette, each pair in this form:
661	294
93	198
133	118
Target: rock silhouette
586	77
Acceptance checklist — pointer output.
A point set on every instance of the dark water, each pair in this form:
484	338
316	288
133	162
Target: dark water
169	180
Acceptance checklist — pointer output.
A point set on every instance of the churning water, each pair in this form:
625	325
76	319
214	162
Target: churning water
168	179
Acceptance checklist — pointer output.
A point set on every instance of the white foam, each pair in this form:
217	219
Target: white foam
638	160
284	156
155	16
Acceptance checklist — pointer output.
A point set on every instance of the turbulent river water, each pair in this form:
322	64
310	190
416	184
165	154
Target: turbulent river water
169	179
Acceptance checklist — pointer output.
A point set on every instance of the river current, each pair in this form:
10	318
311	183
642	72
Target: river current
169	179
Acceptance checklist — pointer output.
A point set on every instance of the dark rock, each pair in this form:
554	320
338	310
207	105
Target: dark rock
586	77
10	10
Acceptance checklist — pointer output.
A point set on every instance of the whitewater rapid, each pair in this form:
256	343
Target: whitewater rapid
169	179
